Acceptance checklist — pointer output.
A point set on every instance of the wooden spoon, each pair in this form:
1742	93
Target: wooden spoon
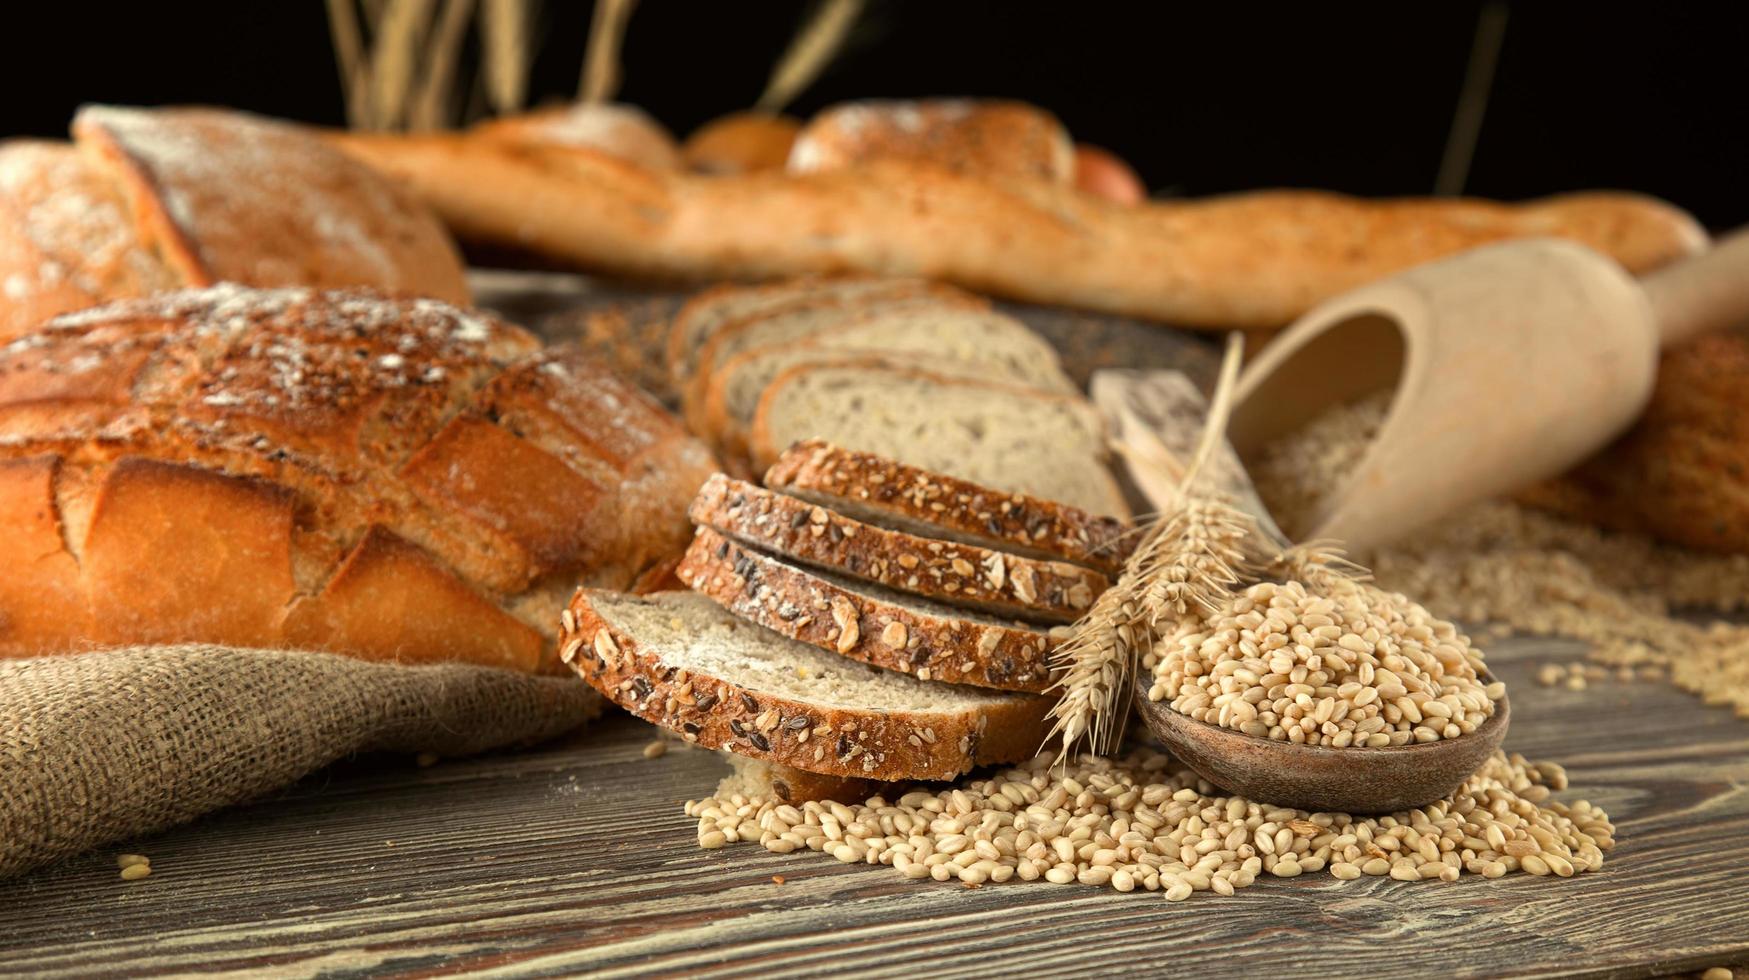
1509	363
1156	416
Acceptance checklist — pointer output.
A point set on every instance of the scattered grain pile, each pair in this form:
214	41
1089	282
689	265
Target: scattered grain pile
1354	665
1144	822
1504	564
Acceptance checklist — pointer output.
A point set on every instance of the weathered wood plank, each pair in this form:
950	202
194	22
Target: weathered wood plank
575	857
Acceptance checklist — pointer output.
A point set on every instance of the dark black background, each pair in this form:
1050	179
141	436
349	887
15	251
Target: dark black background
1202	98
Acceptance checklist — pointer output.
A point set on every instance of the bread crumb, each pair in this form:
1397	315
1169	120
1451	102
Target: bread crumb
777	879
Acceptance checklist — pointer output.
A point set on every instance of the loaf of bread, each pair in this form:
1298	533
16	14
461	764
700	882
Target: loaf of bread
388	478
1245	261
976	137
620	130
741	143
152	199
1681	473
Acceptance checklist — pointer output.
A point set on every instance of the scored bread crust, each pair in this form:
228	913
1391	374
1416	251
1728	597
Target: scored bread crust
804	606
961	509
395	479
947	572
718	713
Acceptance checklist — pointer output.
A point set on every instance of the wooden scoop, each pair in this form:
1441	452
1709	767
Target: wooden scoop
1509	363
1155	418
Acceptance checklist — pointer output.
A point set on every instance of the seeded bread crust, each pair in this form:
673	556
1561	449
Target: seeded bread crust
942	571
804	606
959	509
718	713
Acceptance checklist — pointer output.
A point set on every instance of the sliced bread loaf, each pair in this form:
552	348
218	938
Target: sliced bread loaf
881	490
956	341
681	661
1045	445
949	572
865	622
719	306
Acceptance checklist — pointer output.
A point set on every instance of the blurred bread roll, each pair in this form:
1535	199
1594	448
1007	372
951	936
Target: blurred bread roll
1104	174
614	128
741	143
979	137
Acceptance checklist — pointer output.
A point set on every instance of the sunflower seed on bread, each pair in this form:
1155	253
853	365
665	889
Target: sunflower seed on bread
865	622
949	572
679	660
884	491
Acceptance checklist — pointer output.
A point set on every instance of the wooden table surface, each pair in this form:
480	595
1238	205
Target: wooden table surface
576	858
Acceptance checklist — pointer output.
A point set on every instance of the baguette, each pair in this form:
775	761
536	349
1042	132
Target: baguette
948	572
678	660
1249	261
625	131
867	623
979	137
887	492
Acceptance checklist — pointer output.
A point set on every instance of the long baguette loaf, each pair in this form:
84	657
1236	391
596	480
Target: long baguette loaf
1245	261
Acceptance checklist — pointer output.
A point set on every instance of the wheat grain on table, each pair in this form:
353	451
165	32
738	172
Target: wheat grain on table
575	857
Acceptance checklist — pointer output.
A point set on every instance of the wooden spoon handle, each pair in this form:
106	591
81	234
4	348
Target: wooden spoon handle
1705	293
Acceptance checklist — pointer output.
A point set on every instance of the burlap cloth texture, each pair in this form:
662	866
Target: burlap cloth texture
111	745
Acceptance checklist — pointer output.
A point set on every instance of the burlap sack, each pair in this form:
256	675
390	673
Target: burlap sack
112	745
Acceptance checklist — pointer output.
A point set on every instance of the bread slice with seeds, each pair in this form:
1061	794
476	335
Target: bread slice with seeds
946	339
948	572
681	661
865	622
1045	445
880	490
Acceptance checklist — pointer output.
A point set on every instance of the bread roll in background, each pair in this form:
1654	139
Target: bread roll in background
741	143
152	199
623	131
976	137
394	479
1103	174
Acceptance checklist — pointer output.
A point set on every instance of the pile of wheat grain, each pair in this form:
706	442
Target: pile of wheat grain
1145	822
1351	665
1504	564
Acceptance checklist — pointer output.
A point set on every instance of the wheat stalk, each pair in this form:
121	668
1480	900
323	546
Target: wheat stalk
349	57
504	33
808	55
394	59
601	61
437	82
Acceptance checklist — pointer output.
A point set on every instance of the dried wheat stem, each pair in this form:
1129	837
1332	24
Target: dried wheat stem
504	32
808	55
437	84
394	58
349	58
601	63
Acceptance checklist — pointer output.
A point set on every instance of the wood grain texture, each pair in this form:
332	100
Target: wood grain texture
576	858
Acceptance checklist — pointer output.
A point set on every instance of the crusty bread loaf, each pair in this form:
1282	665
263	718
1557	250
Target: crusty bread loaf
1007	437
1103	173
387	478
980	137
949	572
962	342
1252	260
741	142
756	779
154	199
865	622
890	493
620	130
67	238
1682	472
680	661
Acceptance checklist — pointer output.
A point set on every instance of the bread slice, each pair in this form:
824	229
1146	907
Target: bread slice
956	341
681	661
865	622
1050	446
719	306
949	572
756	779
880	490
798	321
